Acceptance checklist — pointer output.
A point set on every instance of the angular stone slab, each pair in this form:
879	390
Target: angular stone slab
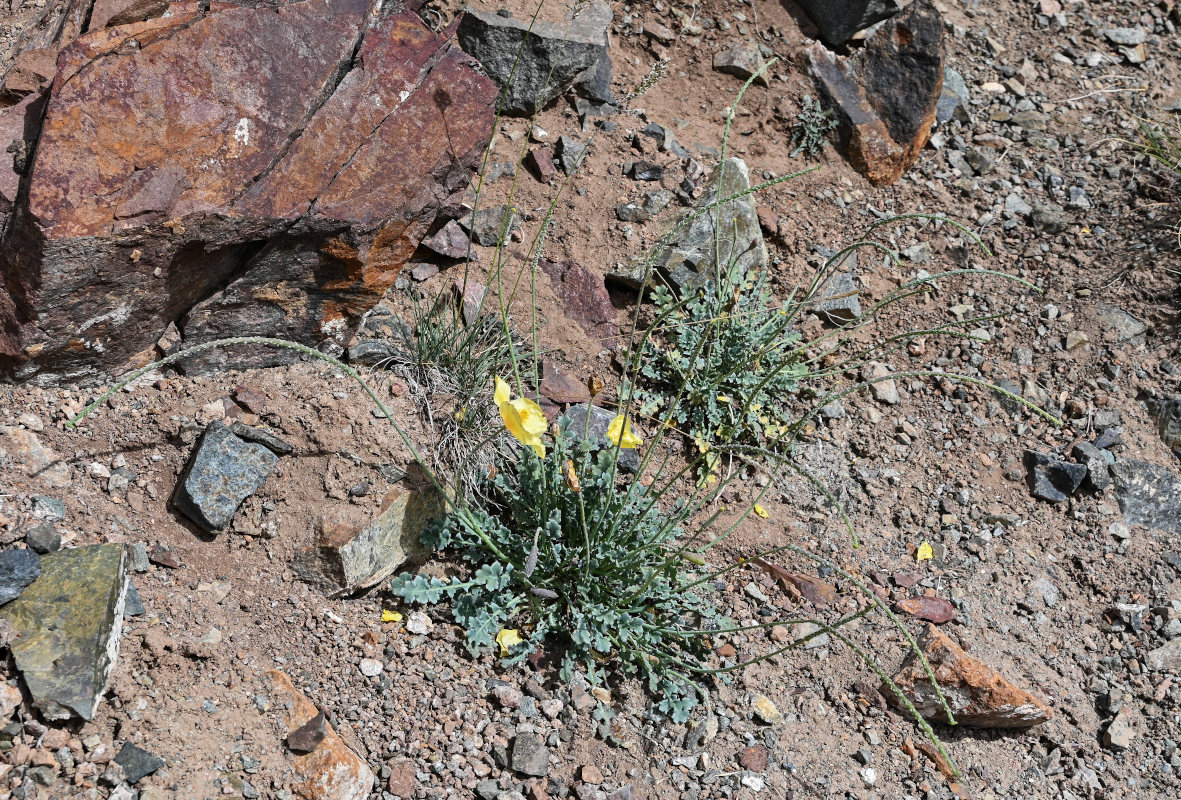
688	260
557	51
69	623
18	568
1148	495
977	694
887	93
276	192
347	559
223	471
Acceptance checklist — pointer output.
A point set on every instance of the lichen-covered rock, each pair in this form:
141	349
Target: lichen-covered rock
223	471
235	170
977	694
886	94
68	624
347	558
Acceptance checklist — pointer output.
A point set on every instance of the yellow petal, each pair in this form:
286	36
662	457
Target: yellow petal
620	432
762	512
507	638
924	552
532	418
390	616
502	391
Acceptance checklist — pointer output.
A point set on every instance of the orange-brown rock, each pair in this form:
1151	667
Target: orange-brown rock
977	694
885	94
232	170
108	13
329	772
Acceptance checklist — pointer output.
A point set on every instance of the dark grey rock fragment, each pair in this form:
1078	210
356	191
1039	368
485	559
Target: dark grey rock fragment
570	153
838	20
307	737
487	225
370	352
133	605
530	756
1095	460
18	568
223	471
267	439
575	424
1051	479
555	55
953	99
43	538
1148	495
137	763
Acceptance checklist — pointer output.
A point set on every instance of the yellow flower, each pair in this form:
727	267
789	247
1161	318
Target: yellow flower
522	417
507	638
620	432
925	552
390	616
762	512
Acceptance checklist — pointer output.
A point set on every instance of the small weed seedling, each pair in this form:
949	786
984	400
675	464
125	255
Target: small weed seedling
813	125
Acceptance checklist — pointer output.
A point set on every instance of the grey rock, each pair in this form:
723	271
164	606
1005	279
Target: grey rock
530	755
1166	658
307	737
1127	327
980	161
570	153
18	568
1121	732
1049	217
687	260
630	212
883	388
1126	37
1095	460
137	763
1051	479
953	99
487	789
133	606
839	303
270	441
555	54
1015	204
838	20
595	83
348	559
137	557
423	271
574	422
741	59
656	201
833	410
223	471
1148	495
69	623
449	241
1169	423
49	509
646	171
488	224
43	538
370	352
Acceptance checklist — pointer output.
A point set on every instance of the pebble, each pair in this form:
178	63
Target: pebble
764	709
371	667
419	623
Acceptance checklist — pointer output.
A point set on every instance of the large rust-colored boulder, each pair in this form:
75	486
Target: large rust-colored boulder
886	93
236	171
977	694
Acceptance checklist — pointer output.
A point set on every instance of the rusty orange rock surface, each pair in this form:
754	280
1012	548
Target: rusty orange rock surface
237	171
977	694
330	772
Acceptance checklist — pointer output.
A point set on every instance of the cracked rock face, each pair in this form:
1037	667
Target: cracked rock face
240	171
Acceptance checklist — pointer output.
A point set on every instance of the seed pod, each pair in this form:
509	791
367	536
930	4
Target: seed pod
594	384
572	477
531	561
544	594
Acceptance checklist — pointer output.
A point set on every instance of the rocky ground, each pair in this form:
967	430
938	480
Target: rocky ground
1066	580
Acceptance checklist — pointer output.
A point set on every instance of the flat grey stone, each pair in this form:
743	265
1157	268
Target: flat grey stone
223	471
574	423
133	606
570	153
307	737
1166	658
137	763
530	756
1127	327
840	304
953	99
370	352
1051	479
487	225
1094	459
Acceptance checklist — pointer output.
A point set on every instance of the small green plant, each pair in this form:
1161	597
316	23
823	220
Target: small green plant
813	125
564	556
723	365
448	367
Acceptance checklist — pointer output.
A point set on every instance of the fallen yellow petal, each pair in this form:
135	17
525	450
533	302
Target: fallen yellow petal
390	616
924	553
762	512
508	637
